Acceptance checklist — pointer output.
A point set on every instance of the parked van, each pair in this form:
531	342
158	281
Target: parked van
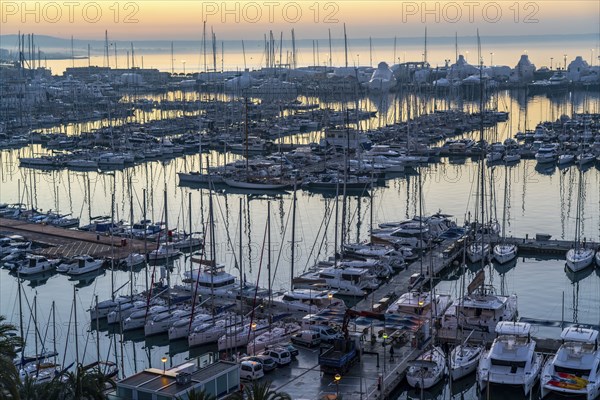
327	333
309	320
307	338
251	370
280	355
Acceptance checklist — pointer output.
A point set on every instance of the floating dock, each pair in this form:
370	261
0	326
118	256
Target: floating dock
60	242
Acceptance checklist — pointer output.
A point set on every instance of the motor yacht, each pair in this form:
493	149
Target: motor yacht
575	368
512	359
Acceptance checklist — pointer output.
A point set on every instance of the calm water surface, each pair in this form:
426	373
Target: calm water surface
540	201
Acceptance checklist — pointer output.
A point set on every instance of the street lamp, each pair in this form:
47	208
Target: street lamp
164	361
551	59
491	59
330	296
253	326
385	336
565	56
337	379
183	62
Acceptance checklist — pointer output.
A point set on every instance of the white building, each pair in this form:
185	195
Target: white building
577	69
523	71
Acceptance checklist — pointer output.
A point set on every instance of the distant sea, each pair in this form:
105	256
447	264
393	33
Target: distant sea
543	50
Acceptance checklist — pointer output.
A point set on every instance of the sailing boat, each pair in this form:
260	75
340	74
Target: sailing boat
480	249
505	252
579	257
256	181
428	369
464	358
431	366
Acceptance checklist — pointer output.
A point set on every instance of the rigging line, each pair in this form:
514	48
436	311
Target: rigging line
258	279
68	332
326	217
229	241
283	236
153	273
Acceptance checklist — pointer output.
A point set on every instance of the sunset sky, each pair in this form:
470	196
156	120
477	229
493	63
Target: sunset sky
310	19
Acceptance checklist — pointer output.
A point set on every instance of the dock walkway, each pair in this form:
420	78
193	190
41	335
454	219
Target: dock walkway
60	242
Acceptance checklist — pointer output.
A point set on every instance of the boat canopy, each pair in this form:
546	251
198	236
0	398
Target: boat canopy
513	328
577	334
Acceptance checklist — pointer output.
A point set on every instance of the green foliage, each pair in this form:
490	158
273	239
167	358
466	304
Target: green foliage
260	391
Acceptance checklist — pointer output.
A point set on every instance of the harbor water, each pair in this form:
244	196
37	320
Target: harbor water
540	201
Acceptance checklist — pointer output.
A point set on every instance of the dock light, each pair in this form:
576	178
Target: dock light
337	378
330	296
164	361
421	302
254	326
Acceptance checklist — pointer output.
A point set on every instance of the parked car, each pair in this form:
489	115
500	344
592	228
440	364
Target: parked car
251	370
288	346
267	362
280	355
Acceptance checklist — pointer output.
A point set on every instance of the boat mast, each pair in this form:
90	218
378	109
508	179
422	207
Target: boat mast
293	236
75	320
145	238
35	329
21	315
482	157
506	172
112	245
190	226
54	327
246	132
241	255
212	249
97	329
167	246
269	253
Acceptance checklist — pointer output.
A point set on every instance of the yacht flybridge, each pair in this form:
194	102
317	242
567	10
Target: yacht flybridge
512	359
575	369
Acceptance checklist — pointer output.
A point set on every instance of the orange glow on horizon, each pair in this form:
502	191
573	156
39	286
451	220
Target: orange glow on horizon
310	19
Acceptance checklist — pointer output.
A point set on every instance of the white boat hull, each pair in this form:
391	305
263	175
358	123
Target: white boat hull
505	377
464	360
424	378
580	259
206	337
475	254
504	253
255	186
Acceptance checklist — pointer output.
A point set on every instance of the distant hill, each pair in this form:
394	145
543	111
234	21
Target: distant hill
51	43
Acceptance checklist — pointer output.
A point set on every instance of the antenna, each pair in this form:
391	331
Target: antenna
425	50
346	45
244	53
330	60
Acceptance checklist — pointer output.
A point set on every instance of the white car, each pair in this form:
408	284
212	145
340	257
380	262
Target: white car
280	355
251	370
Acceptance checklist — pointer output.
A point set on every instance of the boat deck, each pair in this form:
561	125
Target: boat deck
59	242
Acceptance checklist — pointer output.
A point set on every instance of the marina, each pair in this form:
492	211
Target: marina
398	228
